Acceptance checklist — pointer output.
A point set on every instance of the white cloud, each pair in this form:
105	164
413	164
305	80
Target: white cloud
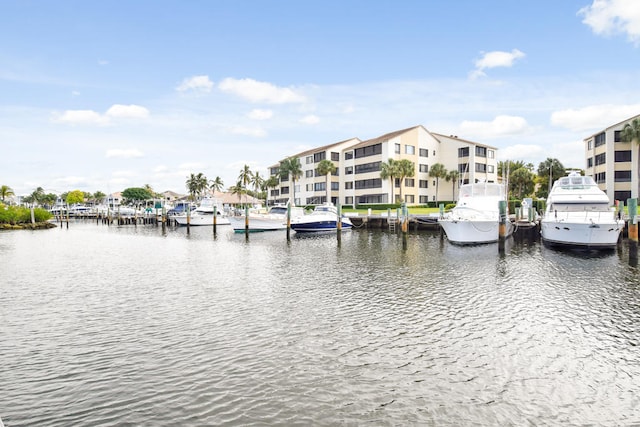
255	91
195	84
526	153
500	126
127	111
75	117
496	59
124	154
310	119
241	130
608	17
593	117
258	114
103	62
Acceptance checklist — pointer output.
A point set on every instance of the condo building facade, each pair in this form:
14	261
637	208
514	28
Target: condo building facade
612	163
357	179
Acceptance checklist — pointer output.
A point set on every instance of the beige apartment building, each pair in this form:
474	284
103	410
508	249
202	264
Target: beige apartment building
613	164
358	165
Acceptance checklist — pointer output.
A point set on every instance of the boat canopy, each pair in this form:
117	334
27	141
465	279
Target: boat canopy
482	190
574	182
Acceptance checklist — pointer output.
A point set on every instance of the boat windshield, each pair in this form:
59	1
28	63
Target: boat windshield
481	190
580	207
575	182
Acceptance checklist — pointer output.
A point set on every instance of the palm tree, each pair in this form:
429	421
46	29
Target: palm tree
6	191
291	167
257	181
437	171
548	171
238	190
326	168
38	195
244	179
630	133
389	170
453	176
216	185
271	182
406	169
196	185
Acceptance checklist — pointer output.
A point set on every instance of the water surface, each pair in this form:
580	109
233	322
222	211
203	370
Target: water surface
107	326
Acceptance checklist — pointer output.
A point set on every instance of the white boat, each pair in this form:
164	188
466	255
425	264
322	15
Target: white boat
274	219
203	214
323	218
578	214
476	217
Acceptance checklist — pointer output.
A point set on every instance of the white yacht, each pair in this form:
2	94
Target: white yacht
273	219
578	214
476	217
203	214
323	218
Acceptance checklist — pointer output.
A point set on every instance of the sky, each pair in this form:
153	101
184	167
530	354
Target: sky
107	95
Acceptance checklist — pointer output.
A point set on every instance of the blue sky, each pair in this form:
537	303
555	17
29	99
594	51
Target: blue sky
116	94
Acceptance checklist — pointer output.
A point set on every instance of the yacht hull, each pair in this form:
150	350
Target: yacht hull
473	232
587	234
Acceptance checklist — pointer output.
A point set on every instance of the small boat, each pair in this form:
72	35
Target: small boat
203	214
578	214
274	219
323	218
476	217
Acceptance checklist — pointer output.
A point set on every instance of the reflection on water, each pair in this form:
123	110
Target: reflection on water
133	326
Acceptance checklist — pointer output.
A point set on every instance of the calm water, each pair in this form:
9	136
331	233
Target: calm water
106	326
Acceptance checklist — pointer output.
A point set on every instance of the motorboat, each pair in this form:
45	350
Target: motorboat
203	214
273	219
323	218
578	213
476	217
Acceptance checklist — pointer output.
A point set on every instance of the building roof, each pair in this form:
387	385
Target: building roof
387	136
442	138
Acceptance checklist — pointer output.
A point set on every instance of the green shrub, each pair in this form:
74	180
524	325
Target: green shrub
21	215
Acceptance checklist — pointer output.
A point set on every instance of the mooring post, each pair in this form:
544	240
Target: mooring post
632	205
215	218
246	219
288	221
339	222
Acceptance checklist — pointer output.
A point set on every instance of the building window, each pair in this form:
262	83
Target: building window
622	195
335	156
368	167
409	149
622	176
318	157
409	198
491	154
600	139
423	168
348	155
423	183
601	159
309	159
601	177
284	190
623	156
590	144
616	136
424	200
348	185
490	168
409	182
481	151
348	170
590	162
368	183
370	150
463	152
481	167
463	167
397	148
373	198
309	187
424	152
308	174
319	186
